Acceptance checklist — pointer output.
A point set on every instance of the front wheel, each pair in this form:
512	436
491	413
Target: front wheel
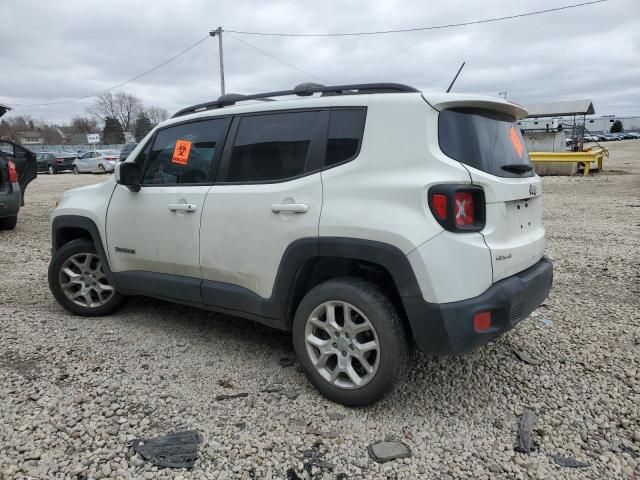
75	170
78	282
350	341
52	171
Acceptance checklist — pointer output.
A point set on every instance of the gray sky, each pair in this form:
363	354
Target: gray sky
54	50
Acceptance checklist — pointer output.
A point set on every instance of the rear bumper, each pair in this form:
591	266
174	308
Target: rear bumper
448	328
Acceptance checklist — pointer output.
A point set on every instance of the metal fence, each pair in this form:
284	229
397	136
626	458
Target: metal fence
73	148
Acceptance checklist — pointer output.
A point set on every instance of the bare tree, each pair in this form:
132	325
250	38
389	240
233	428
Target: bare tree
122	106
84	125
157	114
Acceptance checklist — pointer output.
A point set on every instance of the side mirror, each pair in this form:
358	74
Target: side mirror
128	174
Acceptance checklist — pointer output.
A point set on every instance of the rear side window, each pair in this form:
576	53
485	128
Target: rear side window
483	139
183	154
272	147
346	128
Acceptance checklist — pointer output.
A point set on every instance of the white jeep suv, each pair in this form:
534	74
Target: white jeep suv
365	218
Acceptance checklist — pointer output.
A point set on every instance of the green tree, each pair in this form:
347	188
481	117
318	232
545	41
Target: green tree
616	127
143	126
112	132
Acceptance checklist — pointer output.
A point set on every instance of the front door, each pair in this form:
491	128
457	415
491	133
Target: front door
153	235
25	162
268	195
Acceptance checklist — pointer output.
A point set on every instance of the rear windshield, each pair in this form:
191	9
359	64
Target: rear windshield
487	140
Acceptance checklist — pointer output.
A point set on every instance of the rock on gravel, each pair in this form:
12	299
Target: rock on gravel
76	390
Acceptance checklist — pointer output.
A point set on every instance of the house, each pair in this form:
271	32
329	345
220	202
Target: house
30	138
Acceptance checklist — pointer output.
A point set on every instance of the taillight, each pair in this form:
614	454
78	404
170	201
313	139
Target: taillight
13	173
463	208
59	160
439	202
458	208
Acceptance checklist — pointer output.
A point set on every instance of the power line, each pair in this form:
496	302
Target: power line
133	79
419	29
276	58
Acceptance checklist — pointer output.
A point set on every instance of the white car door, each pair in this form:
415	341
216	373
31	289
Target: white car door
153	235
83	162
267	195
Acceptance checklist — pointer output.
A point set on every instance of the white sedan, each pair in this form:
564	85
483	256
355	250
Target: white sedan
96	161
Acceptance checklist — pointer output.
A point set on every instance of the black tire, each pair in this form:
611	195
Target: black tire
395	349
65	252
75	170
8	223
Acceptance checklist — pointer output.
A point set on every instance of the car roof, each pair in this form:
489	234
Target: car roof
344	95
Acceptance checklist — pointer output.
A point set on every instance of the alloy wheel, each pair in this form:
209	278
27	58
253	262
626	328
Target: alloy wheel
83	281
342	345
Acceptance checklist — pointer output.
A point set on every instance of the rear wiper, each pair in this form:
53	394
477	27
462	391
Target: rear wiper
517	167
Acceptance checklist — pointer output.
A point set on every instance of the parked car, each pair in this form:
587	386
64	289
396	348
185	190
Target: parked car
431	228
126	150
55	162
17	169
634	135
96	161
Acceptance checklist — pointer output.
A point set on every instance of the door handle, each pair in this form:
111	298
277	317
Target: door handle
182	207
290	207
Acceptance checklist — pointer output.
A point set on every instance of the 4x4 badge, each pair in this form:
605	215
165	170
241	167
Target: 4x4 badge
533	190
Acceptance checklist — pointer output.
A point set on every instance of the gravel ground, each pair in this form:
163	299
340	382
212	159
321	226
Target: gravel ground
74	391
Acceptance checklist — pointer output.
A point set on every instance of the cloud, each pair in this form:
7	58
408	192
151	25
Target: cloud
58	50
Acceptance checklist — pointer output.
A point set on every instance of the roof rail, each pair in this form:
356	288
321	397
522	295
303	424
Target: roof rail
302	90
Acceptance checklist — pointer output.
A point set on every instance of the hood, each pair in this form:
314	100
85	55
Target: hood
4	109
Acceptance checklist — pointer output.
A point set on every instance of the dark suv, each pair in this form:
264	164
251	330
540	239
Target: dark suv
17	169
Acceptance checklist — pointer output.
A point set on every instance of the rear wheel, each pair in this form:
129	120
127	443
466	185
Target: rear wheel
52	171
101	168
350	341
75	170
78	282
8	223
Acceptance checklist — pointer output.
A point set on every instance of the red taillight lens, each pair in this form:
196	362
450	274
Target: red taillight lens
458	208
482	321
59	160
463	208
439	202
13	173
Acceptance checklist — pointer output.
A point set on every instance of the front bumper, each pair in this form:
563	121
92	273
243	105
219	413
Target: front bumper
448	328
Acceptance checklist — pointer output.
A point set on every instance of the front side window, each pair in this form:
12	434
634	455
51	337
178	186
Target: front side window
272	147
346	128
183	154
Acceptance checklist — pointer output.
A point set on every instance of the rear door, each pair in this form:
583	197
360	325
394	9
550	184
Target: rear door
489	145
268	195
25	162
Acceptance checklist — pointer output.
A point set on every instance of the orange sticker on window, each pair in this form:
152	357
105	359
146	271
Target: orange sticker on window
515	141
181	152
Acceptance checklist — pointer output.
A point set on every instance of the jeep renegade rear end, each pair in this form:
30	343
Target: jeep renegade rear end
365	219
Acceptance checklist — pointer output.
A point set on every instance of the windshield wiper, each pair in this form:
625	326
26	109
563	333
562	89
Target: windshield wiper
517	167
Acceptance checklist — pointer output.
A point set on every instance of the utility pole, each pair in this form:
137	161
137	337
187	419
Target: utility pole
213	33
503	94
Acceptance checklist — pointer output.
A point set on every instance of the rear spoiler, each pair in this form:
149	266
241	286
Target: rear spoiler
441	101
